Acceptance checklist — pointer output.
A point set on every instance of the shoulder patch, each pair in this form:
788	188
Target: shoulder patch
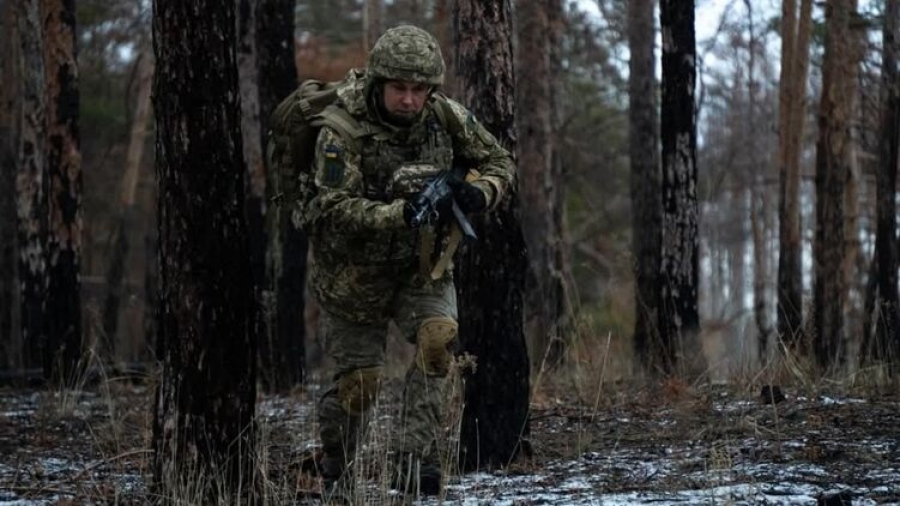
334	165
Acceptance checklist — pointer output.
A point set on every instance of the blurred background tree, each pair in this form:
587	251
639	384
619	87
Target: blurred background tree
740	187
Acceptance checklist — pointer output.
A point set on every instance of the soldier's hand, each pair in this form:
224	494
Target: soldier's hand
468	196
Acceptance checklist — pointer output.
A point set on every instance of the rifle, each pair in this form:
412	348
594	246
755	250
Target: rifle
425	205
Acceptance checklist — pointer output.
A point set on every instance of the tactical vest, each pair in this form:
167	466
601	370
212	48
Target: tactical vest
397	164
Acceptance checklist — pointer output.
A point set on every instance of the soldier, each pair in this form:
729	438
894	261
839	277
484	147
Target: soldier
372	264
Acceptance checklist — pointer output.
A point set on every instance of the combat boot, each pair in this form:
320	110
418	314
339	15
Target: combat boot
337	481
413	475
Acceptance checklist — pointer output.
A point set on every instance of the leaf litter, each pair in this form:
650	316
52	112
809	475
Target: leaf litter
713	446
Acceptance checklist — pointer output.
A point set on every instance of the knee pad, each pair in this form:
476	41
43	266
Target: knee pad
432	341
358	389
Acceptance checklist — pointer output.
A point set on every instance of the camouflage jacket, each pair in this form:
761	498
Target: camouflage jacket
356	219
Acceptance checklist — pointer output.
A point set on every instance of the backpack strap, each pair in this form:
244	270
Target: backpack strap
353	131
446	116
348	127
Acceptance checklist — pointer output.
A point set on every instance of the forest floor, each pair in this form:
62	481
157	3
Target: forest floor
662	445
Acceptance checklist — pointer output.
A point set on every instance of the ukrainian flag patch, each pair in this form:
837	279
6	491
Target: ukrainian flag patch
334	165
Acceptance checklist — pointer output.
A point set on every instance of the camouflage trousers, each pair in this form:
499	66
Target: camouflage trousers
358	349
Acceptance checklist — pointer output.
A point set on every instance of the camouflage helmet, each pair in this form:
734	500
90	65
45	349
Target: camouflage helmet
407	53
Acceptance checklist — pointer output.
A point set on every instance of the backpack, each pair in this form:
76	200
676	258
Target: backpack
295	126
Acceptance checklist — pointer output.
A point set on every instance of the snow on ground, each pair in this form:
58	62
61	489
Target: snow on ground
732	450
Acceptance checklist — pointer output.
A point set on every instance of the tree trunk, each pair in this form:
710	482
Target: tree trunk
10	349
679	318
255	179
32	187
646	205
758	204
283	352
151	284
491	274
64	332
850	269
792	103
758	200
371	22
203	426
539	26
443	11
119	240
886	345
833	152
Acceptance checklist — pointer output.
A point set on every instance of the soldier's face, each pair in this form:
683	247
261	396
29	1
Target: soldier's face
404	99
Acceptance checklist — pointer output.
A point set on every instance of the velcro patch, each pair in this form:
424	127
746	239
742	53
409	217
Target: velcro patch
334	165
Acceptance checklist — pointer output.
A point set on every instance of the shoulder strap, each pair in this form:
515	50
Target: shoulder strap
350	129
446	116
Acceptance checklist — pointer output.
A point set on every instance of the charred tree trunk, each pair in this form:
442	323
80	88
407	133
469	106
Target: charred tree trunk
203	426
646	205
283	352
64	332
32	187
9	147
151	286
883	344
255	179
679	318
539	25
118	243
795	38
491	274
833	151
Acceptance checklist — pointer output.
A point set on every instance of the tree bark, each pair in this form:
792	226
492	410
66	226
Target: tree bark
758	200
255	179
283	352
66	222
792	104
203	426
491	274
884	346
32	187
679	318
125	220
833	151
371	22
539	27
646	205
443	11
854	281
10	347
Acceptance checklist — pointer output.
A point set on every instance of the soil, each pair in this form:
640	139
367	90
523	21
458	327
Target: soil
662	445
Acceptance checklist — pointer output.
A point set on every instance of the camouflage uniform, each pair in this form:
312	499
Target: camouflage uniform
367	264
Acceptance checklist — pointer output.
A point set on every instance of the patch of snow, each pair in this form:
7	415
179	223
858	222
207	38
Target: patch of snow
829	401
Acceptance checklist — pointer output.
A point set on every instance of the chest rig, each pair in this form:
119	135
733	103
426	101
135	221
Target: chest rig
398	163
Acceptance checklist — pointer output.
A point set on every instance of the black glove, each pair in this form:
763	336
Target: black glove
468	196
408	212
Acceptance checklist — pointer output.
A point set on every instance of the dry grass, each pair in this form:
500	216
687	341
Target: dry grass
593	404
